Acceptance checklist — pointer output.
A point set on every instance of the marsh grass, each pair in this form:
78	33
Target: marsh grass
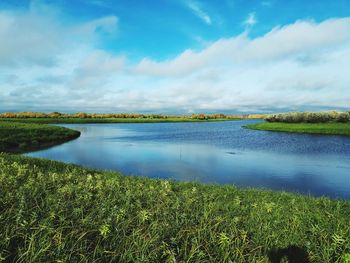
126	116
21	137
55	212
312	128
109	120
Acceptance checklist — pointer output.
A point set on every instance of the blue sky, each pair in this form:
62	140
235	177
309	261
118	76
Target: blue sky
174	55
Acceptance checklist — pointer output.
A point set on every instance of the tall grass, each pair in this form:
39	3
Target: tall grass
20	137
54	212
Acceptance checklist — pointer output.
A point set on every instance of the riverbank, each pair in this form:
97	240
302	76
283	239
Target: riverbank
51	211
19	137
308	128
107	120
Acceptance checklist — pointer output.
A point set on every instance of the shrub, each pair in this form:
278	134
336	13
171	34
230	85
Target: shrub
309	117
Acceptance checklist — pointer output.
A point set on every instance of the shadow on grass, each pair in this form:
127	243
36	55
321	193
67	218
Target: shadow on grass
294	254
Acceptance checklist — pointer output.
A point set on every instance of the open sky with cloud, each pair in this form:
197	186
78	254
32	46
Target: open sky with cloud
174	56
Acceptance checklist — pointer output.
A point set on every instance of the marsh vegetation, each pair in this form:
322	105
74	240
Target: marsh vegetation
82	117
56	212
20	137
311	128
310	117
67	213
329	123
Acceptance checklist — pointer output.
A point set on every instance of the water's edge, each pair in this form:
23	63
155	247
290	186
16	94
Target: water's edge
221	153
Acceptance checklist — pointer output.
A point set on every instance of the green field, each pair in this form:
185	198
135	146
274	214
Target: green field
21	137
56	212
312	128
106	120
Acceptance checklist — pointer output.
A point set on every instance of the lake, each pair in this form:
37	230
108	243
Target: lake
214	152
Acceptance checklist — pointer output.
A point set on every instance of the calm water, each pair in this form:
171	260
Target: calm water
215	152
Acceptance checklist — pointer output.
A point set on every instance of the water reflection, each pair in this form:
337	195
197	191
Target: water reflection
217	152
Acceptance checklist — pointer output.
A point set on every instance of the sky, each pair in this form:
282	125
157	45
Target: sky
174	56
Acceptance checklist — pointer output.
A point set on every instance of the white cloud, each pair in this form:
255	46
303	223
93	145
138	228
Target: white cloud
282	43
27	38
293	66
251	20
38	37
194	6
298	65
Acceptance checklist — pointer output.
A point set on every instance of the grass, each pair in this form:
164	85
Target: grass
55	212
312	128
107	120
21	137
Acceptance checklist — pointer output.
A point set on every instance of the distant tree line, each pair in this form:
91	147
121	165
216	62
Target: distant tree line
83	115
310	117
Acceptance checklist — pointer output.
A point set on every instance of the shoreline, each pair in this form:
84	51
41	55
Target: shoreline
115	215
335	129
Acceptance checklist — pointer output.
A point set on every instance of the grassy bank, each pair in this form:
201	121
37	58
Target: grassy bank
158	117
21	137
54	212
106	120
312	128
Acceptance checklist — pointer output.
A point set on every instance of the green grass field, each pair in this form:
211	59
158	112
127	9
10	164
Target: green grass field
105	120
56	212
312	128
21	137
